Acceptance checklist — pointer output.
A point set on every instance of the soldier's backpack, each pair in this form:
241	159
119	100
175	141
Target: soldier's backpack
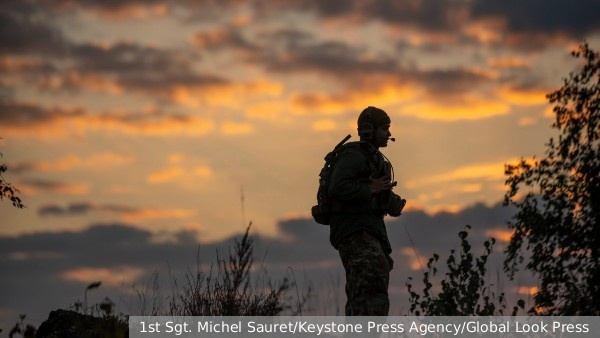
322	211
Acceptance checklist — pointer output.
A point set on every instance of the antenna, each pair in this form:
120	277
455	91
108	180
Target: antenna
242	200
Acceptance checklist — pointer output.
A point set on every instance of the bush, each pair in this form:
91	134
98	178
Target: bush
464	290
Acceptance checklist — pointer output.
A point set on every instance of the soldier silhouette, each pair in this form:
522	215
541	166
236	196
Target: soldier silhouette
361	193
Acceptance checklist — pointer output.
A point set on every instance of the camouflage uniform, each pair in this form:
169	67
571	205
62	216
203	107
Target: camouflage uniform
358	231
367	275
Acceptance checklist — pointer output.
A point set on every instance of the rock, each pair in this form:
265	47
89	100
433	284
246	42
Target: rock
71	324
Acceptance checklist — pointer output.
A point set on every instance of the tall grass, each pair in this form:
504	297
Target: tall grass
228	288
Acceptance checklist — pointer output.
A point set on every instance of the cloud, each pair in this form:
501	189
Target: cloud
17	118
39	186
539	23
27	30
97	161
523	96
127	213
24	119
112	277
166	175
474	172
236	95
468	108
218	38
145	69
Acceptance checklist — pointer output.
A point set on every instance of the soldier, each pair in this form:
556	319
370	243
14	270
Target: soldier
361	191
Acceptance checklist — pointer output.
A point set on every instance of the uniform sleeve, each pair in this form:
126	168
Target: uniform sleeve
385	245
348	181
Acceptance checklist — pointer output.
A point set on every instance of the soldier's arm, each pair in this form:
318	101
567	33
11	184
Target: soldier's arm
347	180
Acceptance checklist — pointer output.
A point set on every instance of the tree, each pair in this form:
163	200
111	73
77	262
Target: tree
557	219
7	190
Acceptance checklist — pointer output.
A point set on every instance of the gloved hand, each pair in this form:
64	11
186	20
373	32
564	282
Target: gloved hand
394	205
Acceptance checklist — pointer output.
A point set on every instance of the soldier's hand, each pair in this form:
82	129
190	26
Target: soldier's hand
381	184
394	205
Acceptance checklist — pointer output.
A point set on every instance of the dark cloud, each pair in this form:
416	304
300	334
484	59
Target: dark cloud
37	186
71	209
15	115
37	260
330	57
530	25
24	118
139	67
576	18
223	37
27	30
447	82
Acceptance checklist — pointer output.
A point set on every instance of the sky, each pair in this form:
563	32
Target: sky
142	133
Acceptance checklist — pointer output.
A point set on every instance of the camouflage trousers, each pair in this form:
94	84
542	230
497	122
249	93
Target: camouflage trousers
367	275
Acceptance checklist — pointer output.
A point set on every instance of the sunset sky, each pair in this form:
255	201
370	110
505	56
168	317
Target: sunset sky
136	129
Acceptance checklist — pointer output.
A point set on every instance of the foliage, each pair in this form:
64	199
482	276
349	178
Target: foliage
110	323
25	330
230	293
7	190
559	225
464	290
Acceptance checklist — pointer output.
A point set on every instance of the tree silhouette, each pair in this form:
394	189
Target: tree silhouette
557	221
7	190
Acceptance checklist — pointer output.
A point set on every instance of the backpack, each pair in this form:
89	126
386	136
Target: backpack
322	211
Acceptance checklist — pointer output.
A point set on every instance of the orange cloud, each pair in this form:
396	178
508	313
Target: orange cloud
523	97
234	95
486	31
166	175
122	11
471	108
108	276
327	104
416	262
10	64
203	171
486	171
135	215
500	235
176	173
527	290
